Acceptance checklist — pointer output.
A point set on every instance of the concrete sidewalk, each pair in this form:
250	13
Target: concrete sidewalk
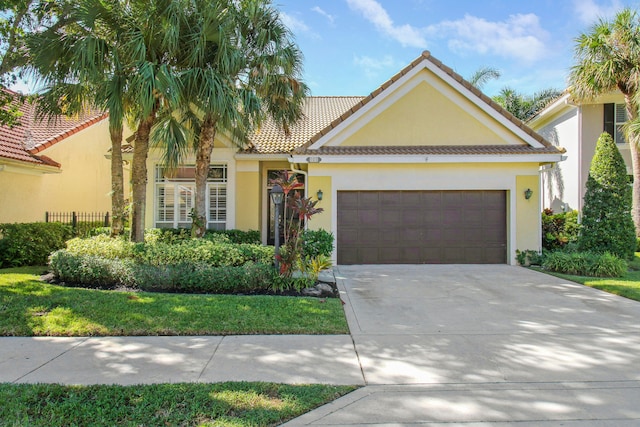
325	359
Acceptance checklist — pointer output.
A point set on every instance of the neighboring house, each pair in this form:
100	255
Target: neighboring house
56	166
576	127
426	169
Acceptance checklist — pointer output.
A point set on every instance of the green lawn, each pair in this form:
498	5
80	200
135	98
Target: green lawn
187	404
627	286
29	307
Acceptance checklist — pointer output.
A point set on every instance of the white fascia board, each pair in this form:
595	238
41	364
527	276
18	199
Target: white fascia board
270	157
551	110
458	158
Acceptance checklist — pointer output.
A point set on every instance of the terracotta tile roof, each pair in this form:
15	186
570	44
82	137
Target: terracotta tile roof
426	55
31	135
430	150
319	111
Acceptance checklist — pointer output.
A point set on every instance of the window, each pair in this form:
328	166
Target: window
175	197
615	116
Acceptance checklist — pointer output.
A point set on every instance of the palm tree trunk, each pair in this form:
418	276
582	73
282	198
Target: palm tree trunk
632	114
117	183
203	160
139	177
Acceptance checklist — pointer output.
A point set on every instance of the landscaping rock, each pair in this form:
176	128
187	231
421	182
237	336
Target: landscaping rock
320	290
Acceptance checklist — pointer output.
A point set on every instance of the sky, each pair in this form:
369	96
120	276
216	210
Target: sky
351	47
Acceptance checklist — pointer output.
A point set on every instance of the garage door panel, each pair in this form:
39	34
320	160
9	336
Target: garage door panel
421	227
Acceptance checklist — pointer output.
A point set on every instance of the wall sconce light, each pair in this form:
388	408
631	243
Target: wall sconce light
319	194
528	193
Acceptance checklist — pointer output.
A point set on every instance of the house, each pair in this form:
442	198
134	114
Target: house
56	166
426	169
576	127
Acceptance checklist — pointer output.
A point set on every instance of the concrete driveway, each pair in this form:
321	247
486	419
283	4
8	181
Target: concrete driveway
486	345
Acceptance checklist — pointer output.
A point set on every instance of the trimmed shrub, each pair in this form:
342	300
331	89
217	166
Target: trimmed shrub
203	278
31	243
188	277
559	230
159	253
237	236
585	264
91	271
316	242
606	218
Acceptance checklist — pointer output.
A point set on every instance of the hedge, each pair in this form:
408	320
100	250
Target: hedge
585	264
31	243
189	277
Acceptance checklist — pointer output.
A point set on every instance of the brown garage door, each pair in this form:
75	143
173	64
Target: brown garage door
422	227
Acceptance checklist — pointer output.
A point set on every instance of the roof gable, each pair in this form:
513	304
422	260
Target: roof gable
431	80
31	135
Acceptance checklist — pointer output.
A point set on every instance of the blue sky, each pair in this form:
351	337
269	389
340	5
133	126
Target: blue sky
353	46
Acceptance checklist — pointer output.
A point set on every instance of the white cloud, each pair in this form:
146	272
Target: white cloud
372	66
373	12
520	36
318	10
294	24
589	11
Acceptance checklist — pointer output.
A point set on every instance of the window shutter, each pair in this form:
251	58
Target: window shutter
609	119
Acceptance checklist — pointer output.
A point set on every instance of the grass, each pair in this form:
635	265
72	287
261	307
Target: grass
186	404
29	307
627	286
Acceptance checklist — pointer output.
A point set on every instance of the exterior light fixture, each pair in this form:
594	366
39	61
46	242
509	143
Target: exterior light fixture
319	194
277	196
528	193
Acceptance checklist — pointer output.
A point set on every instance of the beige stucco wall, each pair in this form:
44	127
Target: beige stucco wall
247	189
511	177
528	220
84	184
323	219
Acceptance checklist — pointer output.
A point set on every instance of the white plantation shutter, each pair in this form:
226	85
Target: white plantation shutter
621	119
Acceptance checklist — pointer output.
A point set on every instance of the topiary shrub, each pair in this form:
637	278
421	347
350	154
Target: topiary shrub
91	271
31	243
316	242
559	230
607	225
585	264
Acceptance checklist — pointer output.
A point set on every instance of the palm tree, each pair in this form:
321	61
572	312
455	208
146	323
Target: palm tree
240	67
78	62
113	54
522	106
607	60
482	75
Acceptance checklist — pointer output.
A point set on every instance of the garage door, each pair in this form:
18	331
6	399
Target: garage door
422	227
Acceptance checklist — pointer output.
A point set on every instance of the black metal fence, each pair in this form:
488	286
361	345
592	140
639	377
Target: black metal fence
82	222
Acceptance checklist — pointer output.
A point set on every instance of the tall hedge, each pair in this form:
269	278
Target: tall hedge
607	225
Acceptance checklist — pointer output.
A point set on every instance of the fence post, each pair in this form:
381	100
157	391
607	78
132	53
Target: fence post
46	216
74	219
106	219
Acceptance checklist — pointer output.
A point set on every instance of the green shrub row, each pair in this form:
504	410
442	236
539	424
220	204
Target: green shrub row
585	264
175	235
188	276
31	243
160	253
